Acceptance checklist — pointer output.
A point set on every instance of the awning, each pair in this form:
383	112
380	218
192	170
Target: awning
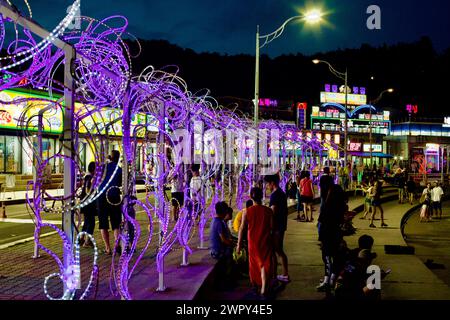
367	154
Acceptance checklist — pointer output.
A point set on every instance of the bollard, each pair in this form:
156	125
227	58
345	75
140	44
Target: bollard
3	210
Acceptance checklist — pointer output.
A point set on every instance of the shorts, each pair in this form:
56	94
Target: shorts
306	199
437	205
177	199
278	239
376	203
109	214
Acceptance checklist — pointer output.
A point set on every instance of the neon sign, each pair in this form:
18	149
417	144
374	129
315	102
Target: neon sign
412	108
268	103
356	147
375	148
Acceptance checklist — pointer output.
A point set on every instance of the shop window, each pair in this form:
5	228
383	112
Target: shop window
10	155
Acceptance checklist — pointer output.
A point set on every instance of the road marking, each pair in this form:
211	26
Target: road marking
28	221
21	241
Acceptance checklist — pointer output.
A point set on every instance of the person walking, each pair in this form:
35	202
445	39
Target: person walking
278	204
177	191
307	196
411	188
368	199
89	211
401	187
376	203
330	234
196	191
256	226
425	200
436	198
300	207
109	203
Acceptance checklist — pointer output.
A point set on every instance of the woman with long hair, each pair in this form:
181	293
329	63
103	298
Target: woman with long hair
307	196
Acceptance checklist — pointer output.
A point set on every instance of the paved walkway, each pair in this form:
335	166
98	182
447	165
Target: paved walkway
410	279
22	277
431	241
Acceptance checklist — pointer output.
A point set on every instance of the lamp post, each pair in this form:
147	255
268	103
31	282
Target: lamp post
311	17
343	76
370	122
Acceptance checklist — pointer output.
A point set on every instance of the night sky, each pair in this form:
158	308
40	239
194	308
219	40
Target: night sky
228	26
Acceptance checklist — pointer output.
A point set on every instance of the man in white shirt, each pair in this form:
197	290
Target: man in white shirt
196	192
436	198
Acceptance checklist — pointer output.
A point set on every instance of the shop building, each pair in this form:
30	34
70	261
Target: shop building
366	125
16	156
422	147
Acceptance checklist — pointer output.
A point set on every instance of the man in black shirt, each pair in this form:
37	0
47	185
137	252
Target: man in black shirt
278	204
325	183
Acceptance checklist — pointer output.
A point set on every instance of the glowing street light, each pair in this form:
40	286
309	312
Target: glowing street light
313	16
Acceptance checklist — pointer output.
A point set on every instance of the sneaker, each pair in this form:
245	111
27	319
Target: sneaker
283	278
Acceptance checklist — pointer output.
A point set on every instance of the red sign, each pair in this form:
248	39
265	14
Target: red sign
302	105
268	103
5	117
412	108
355	147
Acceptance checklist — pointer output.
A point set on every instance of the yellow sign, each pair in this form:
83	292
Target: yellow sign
334	97
10	114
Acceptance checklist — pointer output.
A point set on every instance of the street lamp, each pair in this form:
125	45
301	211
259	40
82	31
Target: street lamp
310	17
343	76
390	90
313	16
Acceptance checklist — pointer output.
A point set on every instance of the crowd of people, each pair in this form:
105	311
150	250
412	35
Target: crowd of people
253	241
261	230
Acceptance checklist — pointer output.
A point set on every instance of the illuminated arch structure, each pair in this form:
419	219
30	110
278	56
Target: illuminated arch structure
104	78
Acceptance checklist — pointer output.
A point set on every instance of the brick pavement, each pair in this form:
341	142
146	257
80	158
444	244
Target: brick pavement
23	277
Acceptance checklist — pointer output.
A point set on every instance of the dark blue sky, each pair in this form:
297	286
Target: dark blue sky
228	26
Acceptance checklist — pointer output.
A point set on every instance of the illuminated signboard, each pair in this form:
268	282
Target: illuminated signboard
412	108
356	147
375	148
356	90
334	97
301	114
268	103
446	122
315	111
432	148
11	113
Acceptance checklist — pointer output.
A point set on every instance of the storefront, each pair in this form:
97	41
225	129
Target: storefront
16	156
422	148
